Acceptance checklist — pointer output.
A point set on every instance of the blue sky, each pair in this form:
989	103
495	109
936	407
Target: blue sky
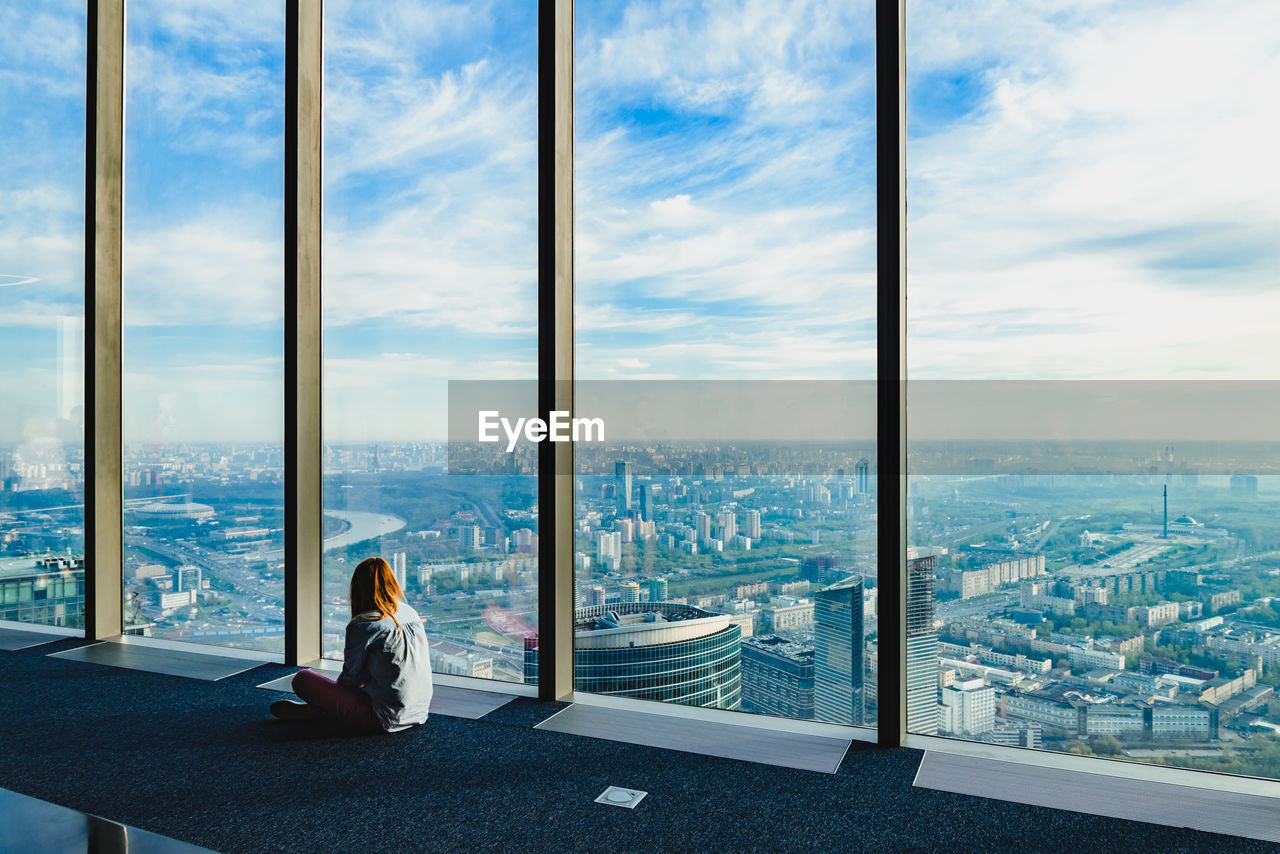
203	215
41	212
1092	194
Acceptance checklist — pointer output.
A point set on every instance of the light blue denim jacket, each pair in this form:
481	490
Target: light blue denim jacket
391	664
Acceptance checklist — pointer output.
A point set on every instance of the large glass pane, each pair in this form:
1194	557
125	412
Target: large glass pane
725	331
42	74
203	317
1093	260
430	276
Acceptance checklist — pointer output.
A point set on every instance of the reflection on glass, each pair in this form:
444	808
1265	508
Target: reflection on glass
430	275
1093	198
725	187
42	77
203	316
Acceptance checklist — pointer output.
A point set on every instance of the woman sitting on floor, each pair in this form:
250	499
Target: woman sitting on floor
385	684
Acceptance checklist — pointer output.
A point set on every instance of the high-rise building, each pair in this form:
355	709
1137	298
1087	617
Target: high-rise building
49	592
646	502
627	528
470	536
630	592
188	578
726	526
702	526
593	596
862	479
609	550
622	471
751	526
922	648
968	707
662	651
657	590
837	648
777	677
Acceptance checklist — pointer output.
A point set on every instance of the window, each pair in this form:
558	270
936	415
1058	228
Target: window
430	275
42	73
203	315
725	271
1092	268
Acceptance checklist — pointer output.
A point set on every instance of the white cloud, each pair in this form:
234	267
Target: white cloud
220	269
768	55
1106	211
430	175
724	190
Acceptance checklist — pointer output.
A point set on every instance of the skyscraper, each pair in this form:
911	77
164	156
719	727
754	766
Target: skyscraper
837	653
777	676
922	648
657	590
646	502
622	471
662	651
726	525
862	478
752	525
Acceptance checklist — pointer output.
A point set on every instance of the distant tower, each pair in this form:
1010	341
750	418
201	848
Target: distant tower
837	645
862	476
622	471
1166	511
922	648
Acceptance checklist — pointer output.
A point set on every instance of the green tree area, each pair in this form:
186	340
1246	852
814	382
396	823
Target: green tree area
1258	584
723	583
1261	758
1265	614
1081	626
1182	556
1187	655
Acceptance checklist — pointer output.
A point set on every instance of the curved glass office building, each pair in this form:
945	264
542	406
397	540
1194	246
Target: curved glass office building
658	651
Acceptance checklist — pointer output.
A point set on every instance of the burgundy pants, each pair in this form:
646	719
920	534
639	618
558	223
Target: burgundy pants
349	705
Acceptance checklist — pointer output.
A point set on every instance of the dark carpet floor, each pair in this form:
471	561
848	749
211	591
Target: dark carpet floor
204	763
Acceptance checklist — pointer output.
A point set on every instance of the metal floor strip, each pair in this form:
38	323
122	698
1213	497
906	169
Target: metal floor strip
12	640
1232	813
748	743
150	659
445	699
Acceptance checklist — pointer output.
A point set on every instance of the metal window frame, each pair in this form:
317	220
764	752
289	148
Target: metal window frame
555	346
103	425
303	352
891	367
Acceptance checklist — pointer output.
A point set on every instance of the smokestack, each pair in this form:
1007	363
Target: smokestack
1166	511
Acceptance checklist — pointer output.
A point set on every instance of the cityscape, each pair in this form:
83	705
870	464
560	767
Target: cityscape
1123	615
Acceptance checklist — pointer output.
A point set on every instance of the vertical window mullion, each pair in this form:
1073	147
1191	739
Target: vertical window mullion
891	366
103	449
555	345
303	510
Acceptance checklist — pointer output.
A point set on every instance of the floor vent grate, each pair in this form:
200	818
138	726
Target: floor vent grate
616	796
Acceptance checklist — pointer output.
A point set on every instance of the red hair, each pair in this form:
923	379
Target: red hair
374	588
